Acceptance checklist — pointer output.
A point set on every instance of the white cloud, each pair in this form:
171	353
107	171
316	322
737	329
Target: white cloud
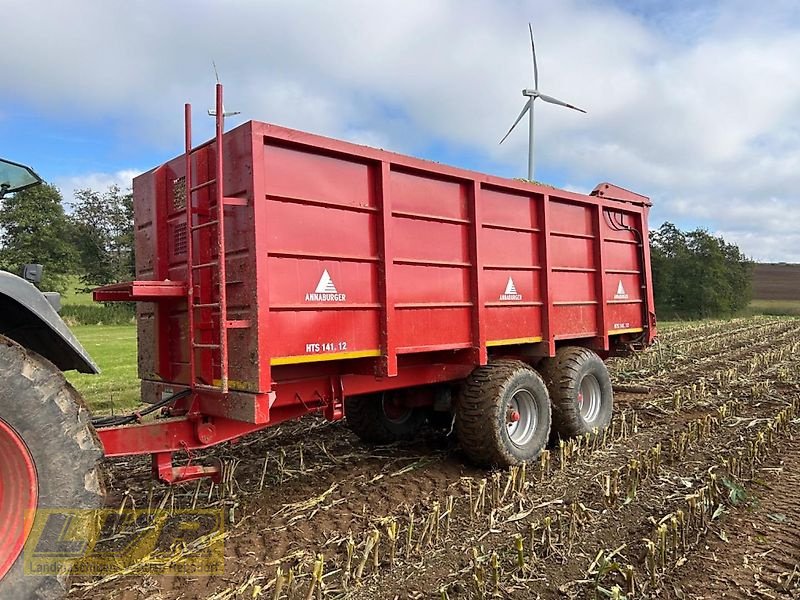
696	106
99	182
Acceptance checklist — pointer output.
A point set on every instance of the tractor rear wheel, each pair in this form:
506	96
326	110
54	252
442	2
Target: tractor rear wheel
580	391
503	414
382	419
49	457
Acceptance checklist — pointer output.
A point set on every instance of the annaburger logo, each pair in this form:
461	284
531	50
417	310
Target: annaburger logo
621	293
511	292
325	291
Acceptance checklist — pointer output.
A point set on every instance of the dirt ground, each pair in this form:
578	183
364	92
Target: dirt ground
694	492
776	282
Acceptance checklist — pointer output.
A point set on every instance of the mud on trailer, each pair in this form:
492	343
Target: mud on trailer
281	273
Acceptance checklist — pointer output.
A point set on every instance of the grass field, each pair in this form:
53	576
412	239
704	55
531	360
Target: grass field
74	296
113	348
775	307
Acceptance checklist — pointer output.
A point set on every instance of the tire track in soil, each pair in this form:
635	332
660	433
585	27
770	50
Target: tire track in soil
761	557
627	524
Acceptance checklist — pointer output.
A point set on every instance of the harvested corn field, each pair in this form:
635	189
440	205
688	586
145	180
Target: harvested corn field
691	492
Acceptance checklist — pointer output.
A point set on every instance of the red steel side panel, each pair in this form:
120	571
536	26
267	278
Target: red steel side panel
322	251
431	249
512	271
623	275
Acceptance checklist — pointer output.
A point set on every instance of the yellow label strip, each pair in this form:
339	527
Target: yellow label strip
620	331
511	342
306	358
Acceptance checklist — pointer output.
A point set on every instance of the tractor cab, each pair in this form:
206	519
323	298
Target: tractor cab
15	177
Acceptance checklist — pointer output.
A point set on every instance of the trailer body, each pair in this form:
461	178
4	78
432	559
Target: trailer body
349	270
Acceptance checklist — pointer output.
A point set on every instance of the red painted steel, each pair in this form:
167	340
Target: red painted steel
141	291
19	495
339	269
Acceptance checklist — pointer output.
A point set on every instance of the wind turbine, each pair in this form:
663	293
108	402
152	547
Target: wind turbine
212	112
532	95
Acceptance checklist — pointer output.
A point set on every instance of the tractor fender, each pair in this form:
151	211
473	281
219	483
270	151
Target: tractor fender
29	319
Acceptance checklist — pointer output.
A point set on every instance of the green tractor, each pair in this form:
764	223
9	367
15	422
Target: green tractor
49	452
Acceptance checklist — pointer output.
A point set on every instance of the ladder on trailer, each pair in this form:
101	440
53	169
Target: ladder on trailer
206	278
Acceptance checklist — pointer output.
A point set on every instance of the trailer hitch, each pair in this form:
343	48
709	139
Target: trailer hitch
334	409
164	471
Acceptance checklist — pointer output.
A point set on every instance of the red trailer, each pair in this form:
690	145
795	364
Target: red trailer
281	273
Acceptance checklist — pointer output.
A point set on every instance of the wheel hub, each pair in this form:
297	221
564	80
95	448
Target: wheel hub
521	417
19	493
589	398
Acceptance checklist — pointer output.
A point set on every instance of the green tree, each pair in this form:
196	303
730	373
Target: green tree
103	235
34	229
698	275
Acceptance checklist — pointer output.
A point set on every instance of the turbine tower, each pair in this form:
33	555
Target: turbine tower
532	95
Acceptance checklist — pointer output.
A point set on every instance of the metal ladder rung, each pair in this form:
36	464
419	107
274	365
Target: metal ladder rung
204	225
207	346
204	265
232	201
237	323
205	184
206	305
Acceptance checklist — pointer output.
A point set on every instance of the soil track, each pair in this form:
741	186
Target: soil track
756	553
713	388
776	282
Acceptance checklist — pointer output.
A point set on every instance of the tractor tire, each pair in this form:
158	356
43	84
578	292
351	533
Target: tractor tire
50	457
503	414
580	391
376	420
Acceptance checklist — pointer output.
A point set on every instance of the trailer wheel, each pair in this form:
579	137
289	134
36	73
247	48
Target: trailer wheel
379	419
503	414
49	455
580	391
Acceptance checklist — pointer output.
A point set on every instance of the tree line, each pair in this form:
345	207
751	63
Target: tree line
92	243
695	274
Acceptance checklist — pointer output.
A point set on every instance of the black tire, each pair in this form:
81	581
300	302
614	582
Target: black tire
483	419
50	417
564	375
368	419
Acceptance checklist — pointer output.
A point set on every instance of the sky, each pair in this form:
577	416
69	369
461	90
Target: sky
695	104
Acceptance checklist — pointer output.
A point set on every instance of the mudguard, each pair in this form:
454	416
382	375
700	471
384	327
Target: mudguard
30	320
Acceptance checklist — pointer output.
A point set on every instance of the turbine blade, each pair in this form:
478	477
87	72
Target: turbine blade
552	100
535	68
519	118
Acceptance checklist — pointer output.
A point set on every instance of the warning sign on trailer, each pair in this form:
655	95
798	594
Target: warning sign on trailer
621	293
510	292
325	291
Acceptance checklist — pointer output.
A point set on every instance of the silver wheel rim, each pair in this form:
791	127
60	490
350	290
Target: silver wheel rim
590	398
521	417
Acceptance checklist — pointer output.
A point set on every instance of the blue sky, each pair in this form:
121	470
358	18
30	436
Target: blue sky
695	104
